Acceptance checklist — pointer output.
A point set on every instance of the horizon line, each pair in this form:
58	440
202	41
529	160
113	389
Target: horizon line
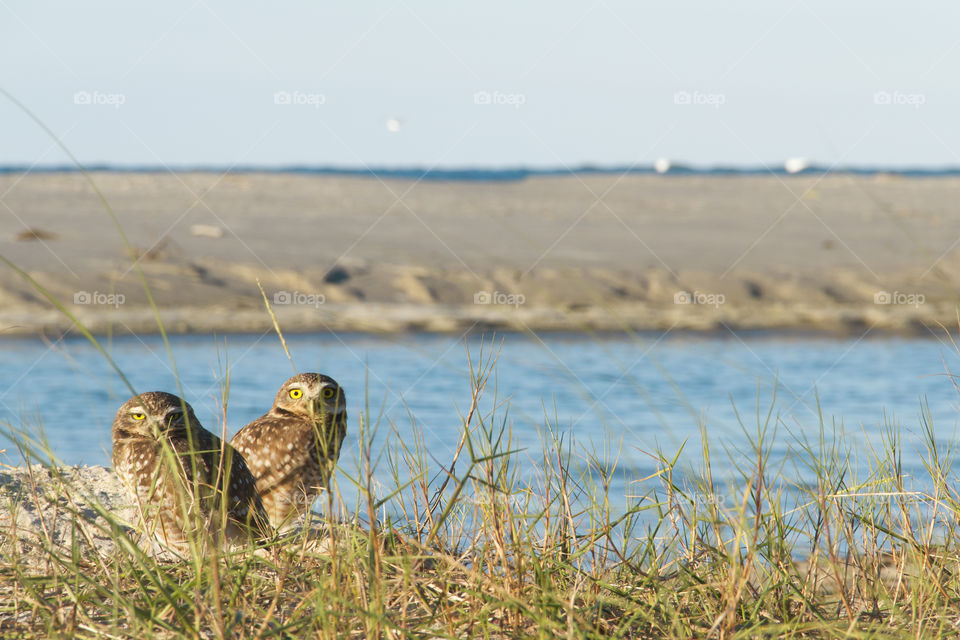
484	173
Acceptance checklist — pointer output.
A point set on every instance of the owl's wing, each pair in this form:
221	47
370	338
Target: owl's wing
199	455
232	480
276	448
241	488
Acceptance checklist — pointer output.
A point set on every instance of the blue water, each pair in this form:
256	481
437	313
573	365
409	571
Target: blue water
504	174
621	398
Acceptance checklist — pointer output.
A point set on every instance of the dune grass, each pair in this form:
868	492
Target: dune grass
494	544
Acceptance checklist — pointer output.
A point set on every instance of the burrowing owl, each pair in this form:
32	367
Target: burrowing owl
172	467
293	449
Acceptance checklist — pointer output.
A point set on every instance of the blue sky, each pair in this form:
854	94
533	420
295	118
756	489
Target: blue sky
482	84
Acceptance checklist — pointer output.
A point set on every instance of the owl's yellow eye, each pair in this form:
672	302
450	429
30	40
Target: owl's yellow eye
296	394
139	416
328	392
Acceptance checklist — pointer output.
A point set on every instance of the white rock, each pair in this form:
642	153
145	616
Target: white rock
206	231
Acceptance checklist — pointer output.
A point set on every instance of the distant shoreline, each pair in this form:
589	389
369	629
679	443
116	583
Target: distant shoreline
836	254
779	334
497	174
384	320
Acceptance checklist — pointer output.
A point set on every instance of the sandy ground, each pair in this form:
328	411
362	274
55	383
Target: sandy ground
38	506
63	508
841	253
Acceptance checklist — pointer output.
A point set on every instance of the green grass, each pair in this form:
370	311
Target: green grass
496	545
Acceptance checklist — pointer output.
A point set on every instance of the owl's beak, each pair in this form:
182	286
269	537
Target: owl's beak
334	406
316	407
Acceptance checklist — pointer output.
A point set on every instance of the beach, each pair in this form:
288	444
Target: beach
841	253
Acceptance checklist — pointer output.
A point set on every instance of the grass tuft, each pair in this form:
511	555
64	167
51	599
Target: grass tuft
497	545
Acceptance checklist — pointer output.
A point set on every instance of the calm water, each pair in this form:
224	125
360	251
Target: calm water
624	396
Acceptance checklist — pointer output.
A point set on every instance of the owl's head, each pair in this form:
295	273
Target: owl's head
152	414
312	395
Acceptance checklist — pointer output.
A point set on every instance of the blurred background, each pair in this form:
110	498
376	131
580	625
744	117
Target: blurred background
493	84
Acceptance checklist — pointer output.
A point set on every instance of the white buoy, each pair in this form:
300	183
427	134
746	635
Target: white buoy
795	165
393	125
661	165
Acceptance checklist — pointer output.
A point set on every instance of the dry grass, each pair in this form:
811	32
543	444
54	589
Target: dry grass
492	546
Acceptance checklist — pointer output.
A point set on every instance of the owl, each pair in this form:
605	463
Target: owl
181	476
293	449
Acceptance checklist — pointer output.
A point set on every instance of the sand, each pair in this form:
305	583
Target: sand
38	506
840	253
62	507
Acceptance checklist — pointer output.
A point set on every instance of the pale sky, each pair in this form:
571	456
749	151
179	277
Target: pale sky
493	83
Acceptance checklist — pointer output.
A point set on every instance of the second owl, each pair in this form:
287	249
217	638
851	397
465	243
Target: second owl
180	475
292	449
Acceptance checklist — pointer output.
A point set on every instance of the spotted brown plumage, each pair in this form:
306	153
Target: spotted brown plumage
293	448
172	468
